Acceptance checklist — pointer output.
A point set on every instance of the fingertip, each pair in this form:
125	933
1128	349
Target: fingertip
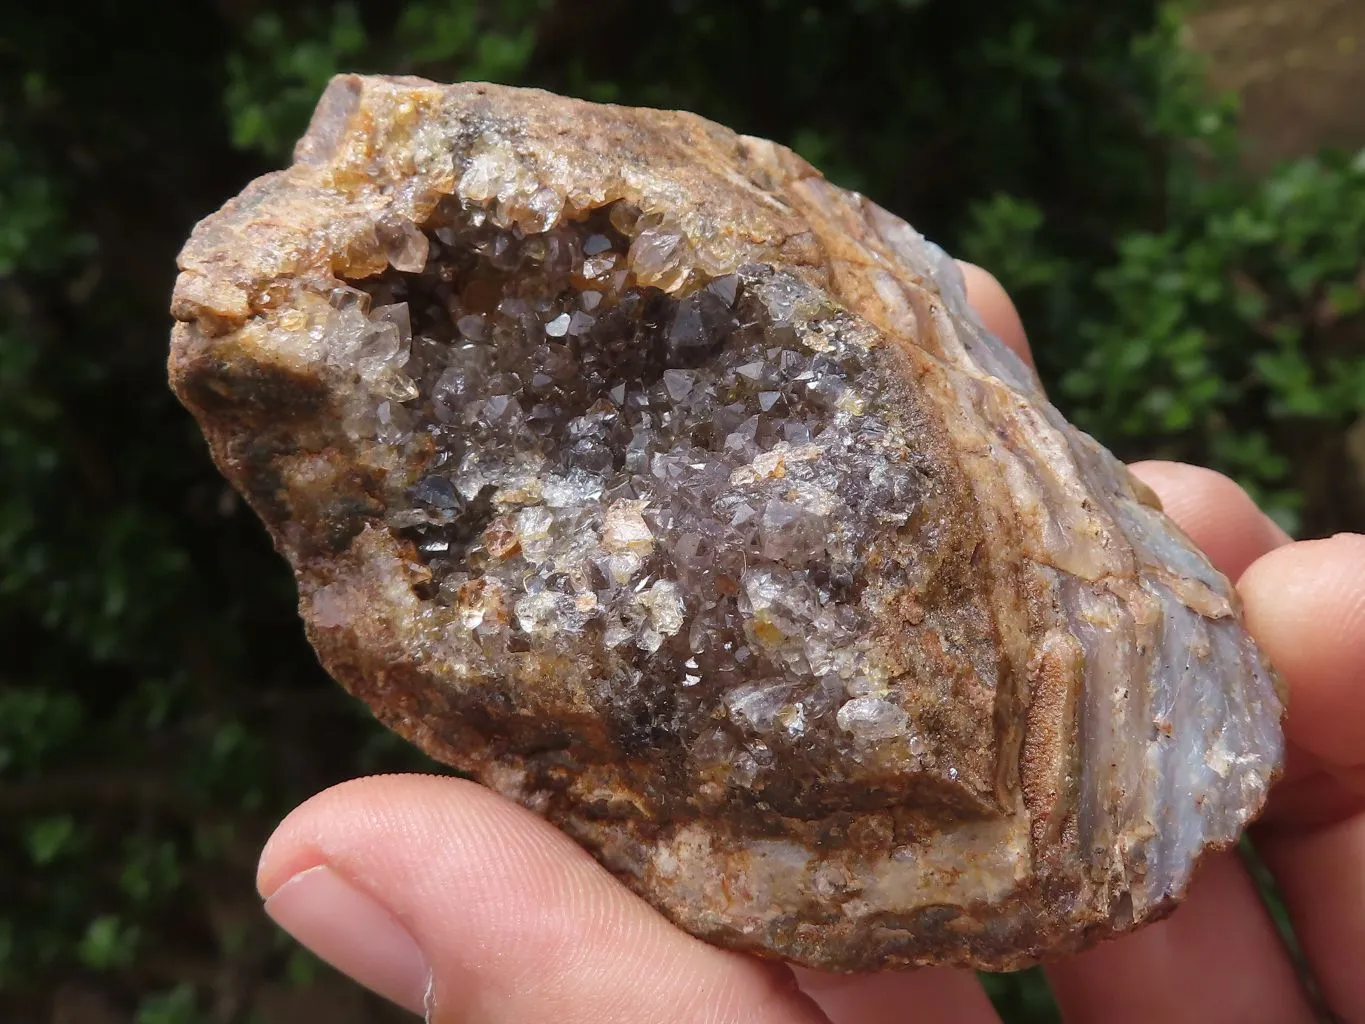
286	853
326	821
1305	604
996	309
1218	957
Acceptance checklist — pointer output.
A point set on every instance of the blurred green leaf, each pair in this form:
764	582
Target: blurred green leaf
108	942
303	967
179	1005
49	838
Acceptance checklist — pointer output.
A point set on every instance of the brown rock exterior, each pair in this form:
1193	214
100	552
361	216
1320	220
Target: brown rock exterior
677	494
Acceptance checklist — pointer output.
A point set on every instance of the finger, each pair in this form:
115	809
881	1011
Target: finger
1320	877
993	304
1306	605
932	994
412	883
1218	958
1215	512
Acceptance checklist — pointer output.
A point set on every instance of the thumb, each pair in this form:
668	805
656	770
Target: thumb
450	900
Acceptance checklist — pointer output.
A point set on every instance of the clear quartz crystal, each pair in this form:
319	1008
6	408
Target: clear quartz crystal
407	249
872	718
656	257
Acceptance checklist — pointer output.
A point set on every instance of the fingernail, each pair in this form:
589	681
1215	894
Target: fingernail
353	933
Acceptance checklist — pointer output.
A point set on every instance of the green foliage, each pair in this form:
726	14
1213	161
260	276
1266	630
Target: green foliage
1216	337
49	838
158	706
1208	334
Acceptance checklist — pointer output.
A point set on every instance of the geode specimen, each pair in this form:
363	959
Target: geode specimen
629	465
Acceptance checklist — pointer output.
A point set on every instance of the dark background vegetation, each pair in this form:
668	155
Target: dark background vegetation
159	708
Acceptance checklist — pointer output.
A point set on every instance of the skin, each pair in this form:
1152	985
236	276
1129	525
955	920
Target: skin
450	900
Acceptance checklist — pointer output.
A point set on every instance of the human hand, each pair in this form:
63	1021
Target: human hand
437	893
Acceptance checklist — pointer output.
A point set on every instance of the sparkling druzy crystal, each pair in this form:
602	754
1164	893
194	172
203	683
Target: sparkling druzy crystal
630	466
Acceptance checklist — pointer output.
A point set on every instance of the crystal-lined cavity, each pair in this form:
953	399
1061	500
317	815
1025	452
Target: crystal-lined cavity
683	482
